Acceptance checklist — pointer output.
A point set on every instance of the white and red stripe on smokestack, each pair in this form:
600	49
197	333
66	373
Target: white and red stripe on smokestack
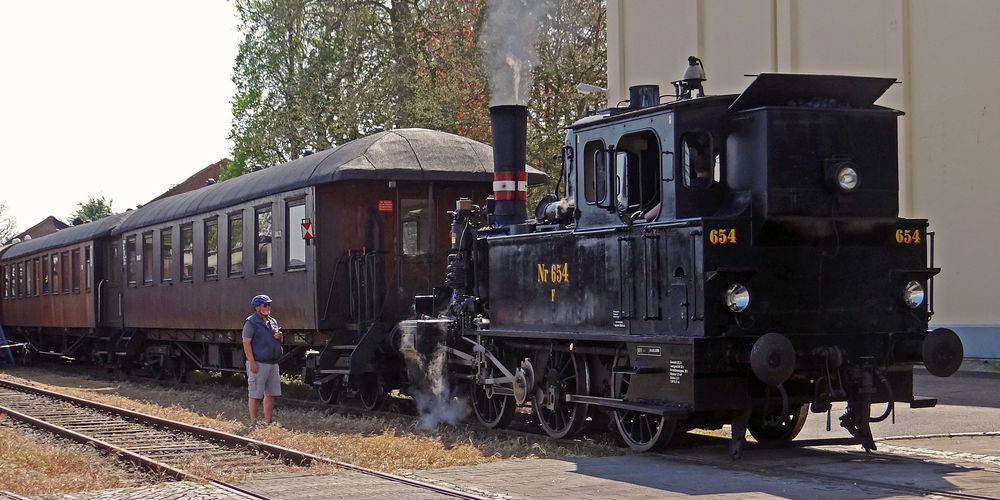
510	185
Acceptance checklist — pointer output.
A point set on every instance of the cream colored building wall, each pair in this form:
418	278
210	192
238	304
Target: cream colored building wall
945	53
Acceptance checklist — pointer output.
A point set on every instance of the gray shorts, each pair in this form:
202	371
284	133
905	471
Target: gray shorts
267	380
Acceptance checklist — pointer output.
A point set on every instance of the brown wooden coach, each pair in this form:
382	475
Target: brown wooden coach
166	287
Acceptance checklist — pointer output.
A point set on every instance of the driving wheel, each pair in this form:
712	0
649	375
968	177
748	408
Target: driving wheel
567	373
640	431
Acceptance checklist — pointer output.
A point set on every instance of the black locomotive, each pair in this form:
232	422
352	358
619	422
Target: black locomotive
733	259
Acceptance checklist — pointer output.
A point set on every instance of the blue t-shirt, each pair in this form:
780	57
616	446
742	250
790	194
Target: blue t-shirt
266	349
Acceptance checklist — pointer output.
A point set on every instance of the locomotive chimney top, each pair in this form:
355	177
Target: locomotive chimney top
510	180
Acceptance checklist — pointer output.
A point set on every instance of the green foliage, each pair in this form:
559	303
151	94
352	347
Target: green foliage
317	73
8	226
93	209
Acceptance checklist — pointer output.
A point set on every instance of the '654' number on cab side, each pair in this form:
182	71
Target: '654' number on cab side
908	236
722	236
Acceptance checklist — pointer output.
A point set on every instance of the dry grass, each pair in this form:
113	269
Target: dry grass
387	444
34	463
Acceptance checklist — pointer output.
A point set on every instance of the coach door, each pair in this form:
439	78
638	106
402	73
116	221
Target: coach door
108	293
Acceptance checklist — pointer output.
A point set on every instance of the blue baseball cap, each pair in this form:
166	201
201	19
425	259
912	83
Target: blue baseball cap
260	299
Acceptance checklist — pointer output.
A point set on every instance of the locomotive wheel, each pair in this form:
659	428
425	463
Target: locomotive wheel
567	374
491	409
329	391
371	392
784	430
642	432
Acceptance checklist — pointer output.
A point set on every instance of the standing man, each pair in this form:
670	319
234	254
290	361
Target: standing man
262	348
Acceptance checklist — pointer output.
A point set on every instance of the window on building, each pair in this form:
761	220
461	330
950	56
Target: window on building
296	250
166	255
88	267
262	241
147	258
131	266
235	244
211	248
46	275
76	269
187	252
416	230
595	172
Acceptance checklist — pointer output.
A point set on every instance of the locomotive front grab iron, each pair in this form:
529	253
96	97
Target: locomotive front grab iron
732	259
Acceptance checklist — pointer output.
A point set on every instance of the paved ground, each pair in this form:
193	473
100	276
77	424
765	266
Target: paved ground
945	467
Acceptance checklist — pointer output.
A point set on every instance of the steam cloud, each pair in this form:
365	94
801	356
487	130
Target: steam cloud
426	360
510	37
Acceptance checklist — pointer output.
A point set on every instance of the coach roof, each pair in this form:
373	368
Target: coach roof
71	235
404	154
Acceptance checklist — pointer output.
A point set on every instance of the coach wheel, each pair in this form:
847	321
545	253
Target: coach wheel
371	391
328	391
492	410
178	369
567	373
640	431
157	370
772	429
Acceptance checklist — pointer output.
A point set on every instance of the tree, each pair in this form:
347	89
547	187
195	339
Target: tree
317	73
93	209
8	226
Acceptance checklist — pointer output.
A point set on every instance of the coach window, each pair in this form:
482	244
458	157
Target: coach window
75	264
64	271
212	248
56	273
29	275
88	268
46	275
130	260
296	249
235	245
416	230
6	281
147	259
262	242
187	252
166	255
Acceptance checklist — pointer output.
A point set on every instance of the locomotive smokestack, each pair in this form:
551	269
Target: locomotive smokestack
510	180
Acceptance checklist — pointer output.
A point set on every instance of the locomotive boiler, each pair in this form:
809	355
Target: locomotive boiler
734	259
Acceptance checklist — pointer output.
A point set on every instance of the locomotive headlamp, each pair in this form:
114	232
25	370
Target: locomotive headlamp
737	297
913	294
847	178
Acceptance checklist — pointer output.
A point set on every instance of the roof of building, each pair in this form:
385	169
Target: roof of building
402	154
42	228
69	236
197	180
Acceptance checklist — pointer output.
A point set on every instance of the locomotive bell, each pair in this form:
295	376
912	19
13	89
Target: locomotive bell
772	359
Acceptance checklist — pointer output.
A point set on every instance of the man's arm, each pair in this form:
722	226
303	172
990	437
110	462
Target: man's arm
247	349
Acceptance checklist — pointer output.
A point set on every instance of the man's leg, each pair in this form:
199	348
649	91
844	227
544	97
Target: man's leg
254	404
268	406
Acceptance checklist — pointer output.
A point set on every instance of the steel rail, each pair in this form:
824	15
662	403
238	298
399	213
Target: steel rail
286	454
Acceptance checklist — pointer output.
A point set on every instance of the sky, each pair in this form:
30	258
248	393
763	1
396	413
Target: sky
113	98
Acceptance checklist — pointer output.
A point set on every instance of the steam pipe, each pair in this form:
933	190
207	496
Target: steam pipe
510	180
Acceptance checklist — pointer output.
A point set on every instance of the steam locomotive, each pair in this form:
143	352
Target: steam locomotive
733	259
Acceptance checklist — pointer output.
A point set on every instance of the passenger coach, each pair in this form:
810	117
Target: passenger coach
341	239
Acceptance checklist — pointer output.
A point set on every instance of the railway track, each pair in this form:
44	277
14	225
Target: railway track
169	448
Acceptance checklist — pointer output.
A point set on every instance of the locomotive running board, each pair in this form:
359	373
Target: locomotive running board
621	404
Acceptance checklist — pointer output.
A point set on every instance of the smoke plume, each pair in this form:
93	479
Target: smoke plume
424	352
511	33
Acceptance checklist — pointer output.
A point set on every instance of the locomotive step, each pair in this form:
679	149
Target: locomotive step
621	404
921	402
